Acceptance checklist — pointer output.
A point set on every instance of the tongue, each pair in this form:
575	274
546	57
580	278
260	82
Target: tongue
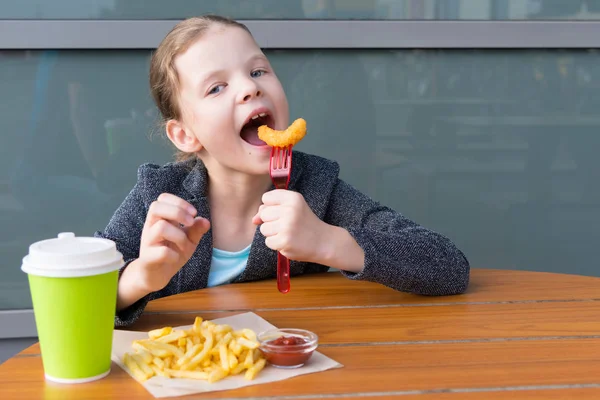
250	134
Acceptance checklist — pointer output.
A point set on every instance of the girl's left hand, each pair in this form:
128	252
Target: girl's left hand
291	227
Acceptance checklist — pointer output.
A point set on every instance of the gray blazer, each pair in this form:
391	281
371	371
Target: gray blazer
398	253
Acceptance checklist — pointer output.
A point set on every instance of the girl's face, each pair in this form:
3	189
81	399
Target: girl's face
227	90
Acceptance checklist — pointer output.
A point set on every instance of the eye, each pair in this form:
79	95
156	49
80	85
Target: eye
216	89
257	73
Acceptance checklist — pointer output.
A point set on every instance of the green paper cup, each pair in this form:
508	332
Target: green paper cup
73	283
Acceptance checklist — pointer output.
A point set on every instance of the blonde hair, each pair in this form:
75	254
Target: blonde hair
164	80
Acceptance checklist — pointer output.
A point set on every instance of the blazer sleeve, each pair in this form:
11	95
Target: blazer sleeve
399	253
125	229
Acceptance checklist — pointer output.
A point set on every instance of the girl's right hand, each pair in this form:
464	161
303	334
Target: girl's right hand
170	236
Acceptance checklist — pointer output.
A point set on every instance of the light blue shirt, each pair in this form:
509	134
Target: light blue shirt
227	265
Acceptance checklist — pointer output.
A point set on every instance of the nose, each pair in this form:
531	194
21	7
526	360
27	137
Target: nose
249	90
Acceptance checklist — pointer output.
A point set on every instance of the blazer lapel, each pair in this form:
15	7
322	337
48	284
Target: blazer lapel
195	273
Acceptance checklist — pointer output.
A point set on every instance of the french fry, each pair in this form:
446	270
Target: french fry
223	329
211	365
225	340
207	325
255	369
216	375
189	355
143	366
248	334
171	337
169	349
133	367
206	351
197	323
224	355
156	333
159	362
187	374
236	348
248	343
198	358
159	372
249	360
140	345
145	355
238	369
233	361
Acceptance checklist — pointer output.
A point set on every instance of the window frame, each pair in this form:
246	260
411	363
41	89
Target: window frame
296	34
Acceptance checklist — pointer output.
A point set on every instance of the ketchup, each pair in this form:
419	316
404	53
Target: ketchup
287	341
284	352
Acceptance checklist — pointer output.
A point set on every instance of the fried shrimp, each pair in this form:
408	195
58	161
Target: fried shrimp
292	135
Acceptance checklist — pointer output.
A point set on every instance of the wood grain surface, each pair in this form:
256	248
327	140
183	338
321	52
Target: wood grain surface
514	335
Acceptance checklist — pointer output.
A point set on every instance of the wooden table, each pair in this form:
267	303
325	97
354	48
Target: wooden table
514	335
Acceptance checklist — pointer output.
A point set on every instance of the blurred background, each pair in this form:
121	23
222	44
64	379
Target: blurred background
493	147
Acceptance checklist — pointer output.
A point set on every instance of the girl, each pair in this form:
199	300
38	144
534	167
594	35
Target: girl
214	217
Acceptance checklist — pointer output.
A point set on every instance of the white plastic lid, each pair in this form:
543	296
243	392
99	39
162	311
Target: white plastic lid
69	256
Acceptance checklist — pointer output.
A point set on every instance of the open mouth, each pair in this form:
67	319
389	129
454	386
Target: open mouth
249	132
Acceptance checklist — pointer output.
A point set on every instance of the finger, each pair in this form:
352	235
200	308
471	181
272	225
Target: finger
165	211
177	202
269	229
276	197
270	213
197	230
256	220
274	243
163	231
161	254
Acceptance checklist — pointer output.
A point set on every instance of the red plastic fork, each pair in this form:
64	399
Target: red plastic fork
280	169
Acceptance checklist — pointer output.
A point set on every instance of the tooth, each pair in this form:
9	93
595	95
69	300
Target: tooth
256	116
263	114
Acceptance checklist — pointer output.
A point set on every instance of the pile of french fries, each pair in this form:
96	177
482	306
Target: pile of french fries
207	351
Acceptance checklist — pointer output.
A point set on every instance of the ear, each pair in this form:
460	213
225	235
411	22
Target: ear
182	137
